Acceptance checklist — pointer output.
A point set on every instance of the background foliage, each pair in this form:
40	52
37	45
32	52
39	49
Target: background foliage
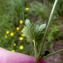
14	11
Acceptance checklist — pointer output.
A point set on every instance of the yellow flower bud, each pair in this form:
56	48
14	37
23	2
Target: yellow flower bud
13	50
11	34
7	32
22	35
14	44
17	28
6	36
21	47
20	38
27	9
21	22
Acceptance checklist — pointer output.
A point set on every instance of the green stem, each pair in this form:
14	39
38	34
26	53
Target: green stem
43	42
53	53
35	51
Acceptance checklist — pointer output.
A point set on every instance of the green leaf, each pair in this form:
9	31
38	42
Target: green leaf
41	27
33	31
27	21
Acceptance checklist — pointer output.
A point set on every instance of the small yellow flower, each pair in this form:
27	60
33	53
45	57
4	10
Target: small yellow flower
27	9
6	37
14	44
17	28
21	47
22	35
7	32
21	22
20	38
11	34
13	50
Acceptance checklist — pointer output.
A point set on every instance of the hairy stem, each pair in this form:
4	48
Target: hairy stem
35	51
43	42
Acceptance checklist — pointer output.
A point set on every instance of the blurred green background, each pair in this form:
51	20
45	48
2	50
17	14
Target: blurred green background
13	14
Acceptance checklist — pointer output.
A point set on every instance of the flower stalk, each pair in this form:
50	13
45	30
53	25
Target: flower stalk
43	41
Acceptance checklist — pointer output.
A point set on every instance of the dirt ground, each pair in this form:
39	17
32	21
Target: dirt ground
57	58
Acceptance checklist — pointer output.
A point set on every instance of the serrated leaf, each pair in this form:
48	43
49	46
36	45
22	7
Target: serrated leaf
41	27
33	31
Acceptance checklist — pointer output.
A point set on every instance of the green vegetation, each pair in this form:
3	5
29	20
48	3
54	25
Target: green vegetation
22	25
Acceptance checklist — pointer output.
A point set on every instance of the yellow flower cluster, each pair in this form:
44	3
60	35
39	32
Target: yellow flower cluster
11	34
21	47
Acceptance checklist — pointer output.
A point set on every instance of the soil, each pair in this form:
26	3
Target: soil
57	58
